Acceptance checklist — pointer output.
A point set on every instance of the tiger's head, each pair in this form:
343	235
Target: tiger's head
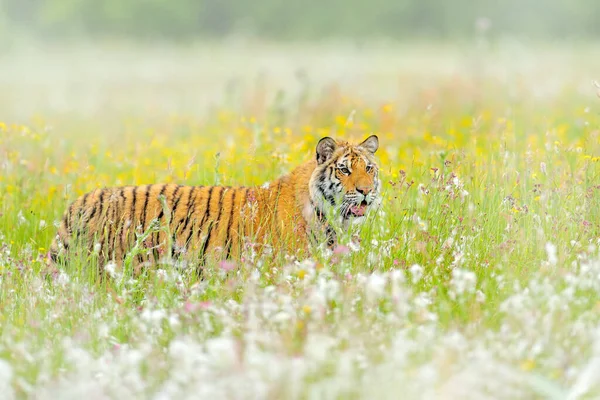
346	178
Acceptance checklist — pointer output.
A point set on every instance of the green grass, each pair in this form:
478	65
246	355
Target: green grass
479	276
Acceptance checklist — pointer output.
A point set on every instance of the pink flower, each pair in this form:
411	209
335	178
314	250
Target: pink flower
227	265
204	304
192	307
189	306
251	198
341	249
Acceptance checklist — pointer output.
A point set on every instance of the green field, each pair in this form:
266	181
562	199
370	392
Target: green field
479	277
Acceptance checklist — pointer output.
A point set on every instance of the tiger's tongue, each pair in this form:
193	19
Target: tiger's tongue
359	210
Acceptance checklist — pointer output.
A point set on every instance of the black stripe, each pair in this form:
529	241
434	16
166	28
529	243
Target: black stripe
191	206
133	199
108	222
100	227
329	198
176	230
102	203
228	239
83	201
132	215
176	197
211	226
116	224
81	212
70	214
121	222
143	219
318	212
330	235
206	213
162	210
156	235
96	203
143	214
67	220
155	254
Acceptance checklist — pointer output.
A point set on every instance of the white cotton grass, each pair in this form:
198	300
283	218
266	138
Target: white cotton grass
281	338
6	377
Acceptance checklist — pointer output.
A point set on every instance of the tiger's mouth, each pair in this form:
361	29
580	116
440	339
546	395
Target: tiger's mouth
358	210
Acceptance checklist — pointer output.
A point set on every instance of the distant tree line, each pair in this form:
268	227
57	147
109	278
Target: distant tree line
301	19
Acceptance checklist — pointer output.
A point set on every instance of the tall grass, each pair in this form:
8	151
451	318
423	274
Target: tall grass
479	277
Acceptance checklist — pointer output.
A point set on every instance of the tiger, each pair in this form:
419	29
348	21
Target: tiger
336	187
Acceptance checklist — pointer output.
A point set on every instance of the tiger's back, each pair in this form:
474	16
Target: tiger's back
187	220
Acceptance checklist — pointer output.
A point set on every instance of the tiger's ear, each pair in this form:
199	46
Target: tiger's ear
325	149
371	144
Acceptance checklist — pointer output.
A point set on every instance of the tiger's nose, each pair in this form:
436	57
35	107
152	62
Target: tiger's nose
364	190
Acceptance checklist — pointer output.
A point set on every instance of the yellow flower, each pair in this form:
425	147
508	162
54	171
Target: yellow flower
527	365
340	120
306	309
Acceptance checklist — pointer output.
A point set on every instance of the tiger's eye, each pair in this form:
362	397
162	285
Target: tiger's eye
345	171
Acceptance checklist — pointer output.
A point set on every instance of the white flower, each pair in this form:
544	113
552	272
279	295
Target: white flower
479	296
463	281
21	218
551	251
63	279
110	268
417	272
375	286
6	375
153	316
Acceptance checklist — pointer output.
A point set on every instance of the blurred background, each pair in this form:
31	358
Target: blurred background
101	57
186	20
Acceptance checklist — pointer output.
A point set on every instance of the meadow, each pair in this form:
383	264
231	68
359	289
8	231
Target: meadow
478	278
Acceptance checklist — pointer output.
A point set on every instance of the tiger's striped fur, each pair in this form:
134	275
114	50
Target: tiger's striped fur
211	221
